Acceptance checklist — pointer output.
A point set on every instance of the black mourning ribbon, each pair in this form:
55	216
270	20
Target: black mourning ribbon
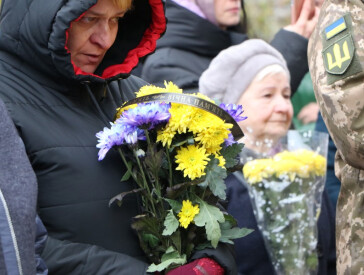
194	101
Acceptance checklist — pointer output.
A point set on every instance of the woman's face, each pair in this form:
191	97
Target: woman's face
227	12
268	106
90	37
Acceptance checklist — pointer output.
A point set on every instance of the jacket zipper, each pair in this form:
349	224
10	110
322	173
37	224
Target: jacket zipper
4	238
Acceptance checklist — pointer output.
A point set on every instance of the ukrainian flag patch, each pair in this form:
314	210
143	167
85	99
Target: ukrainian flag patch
335	28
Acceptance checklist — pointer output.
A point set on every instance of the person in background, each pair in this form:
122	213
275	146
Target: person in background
22	234
336	59
255	75
64	69
332	182
199	29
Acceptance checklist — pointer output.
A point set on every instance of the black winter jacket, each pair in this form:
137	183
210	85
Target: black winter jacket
191	42
57	109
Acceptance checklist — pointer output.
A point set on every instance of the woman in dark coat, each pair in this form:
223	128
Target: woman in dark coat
255	75
195	36
64	69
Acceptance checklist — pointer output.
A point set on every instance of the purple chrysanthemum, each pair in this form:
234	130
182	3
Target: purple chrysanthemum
146	115
230	140
118	134
108	138
133	135
234	110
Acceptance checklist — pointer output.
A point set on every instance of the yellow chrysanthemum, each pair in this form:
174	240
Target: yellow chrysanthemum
192	160
213	150
221	159
215	135
166	136
187	213
319	163
202	120
255	170
287	167
149	90
180	117
307	163
302	163
172	88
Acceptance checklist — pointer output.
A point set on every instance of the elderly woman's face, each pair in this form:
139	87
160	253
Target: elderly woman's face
227	12
93	34
269	109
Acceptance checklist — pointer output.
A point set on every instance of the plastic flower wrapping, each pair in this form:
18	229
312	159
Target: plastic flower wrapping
286	189
178	153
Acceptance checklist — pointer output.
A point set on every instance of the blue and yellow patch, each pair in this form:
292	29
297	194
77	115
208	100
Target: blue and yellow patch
337	27
338	50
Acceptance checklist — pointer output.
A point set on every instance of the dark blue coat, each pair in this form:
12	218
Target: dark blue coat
332	182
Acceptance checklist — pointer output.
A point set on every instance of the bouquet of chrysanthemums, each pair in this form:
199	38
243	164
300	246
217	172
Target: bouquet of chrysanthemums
286	191
178	149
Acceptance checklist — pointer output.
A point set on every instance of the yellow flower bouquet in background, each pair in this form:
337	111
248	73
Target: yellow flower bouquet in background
178	149
286	190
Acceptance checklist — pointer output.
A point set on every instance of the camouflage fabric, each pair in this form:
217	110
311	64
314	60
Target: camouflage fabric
336	60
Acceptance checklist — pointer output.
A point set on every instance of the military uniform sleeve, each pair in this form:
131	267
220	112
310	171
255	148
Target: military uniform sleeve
336	59
336	64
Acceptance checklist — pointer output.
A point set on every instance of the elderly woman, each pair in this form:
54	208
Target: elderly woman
255	75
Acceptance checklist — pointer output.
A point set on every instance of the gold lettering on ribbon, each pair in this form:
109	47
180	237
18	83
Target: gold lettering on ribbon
339	59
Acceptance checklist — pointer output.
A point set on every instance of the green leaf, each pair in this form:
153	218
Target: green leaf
126	176
119	198
170	223
177	190
176	241
149	236
227	235
154	159
145	224
229	221
209	216
215	176
171	257
231	153
152	240
176	205
204	246
230	231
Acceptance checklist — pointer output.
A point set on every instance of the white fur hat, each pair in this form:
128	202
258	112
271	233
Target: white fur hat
233	69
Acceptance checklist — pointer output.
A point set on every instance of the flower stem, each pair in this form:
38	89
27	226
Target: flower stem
128	166
169	168
146	186
156	177
147	136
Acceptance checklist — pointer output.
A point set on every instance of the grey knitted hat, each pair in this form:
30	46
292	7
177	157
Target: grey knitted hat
233	69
